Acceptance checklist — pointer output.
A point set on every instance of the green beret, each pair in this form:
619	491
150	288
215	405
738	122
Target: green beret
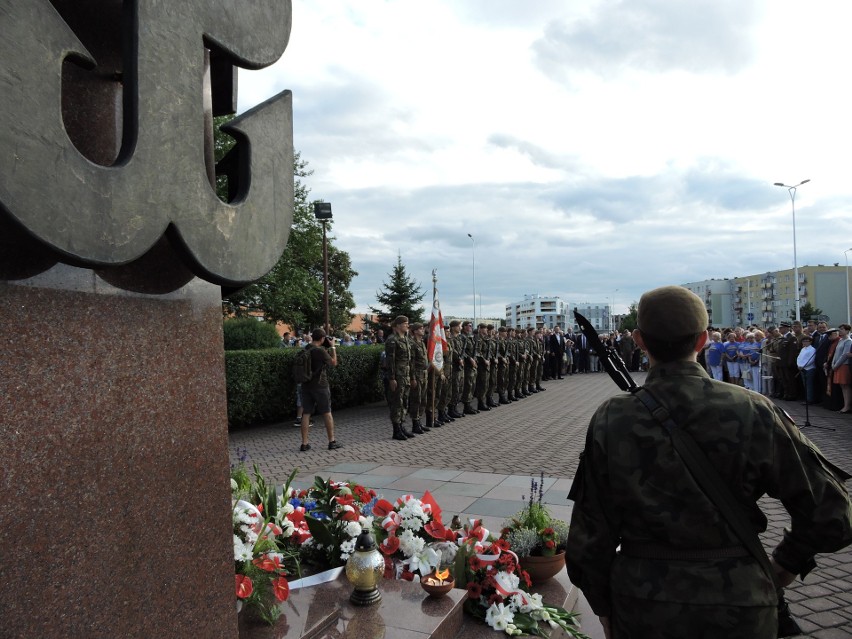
400	319
670	312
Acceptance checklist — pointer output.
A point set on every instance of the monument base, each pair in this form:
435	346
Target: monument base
115	520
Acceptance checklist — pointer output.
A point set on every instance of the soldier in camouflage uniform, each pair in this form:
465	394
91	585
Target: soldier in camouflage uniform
540	352
502	365
491	382
681	571
483	366
456	362
419	368
400	375
532	362
469	355
523	364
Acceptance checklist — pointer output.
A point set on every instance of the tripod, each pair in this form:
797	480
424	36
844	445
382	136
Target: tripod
801	376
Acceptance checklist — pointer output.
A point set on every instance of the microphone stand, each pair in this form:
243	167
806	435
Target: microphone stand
801	376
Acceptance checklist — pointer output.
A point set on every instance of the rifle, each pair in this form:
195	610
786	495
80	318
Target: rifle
695	461
612	362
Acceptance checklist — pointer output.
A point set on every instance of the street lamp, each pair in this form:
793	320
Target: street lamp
792	191
322	211
473	256
848	313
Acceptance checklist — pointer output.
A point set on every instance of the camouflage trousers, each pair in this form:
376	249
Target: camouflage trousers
398	401
417	396
634	618
491	385
456	386
469	384
482	374
502	379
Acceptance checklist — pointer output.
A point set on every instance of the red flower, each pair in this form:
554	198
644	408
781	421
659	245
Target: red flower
280	588
525	577
260	507
495	599
345	500
475	563
382	508
390	545
436	529
501	544
474	590
550	544
267	563
244	586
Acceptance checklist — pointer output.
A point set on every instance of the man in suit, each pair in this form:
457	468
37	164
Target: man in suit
581	344
557	352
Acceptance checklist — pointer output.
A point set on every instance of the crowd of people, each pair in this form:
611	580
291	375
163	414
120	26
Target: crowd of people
792	361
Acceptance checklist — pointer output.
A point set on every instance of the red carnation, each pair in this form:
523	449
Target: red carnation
382	508
474	590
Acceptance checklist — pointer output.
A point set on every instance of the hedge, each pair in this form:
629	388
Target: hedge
261	389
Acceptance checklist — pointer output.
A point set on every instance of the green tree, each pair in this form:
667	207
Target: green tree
400	296
628	322
806	312
292	292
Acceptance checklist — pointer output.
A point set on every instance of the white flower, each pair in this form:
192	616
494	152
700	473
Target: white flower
541	614
346	549
366	522
242	551
507	580
424	562
234	485
353	528
410	544
499	617
533	602
287	528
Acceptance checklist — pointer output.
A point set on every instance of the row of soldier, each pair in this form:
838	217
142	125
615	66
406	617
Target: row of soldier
492	366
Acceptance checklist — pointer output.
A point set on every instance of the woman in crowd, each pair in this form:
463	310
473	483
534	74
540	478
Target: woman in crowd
840	366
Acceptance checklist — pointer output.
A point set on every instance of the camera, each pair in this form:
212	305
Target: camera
328	342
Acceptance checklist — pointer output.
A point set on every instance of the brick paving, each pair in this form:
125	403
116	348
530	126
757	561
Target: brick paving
494	452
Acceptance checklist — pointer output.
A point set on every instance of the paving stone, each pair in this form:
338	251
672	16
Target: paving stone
543	433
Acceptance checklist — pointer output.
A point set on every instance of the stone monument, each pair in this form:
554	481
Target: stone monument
114	249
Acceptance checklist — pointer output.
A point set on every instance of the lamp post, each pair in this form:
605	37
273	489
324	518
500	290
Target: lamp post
322	211
473	256
612	311
792	191
848	313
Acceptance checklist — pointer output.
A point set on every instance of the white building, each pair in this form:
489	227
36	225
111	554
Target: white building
718	297
598	313
536	311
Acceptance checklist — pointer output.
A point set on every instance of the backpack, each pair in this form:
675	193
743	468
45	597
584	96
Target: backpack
302	365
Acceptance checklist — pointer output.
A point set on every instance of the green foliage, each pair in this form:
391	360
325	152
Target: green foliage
292	292
400	296
806	312
629	321
260	384
245	333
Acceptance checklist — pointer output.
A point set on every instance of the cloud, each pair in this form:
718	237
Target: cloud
702	36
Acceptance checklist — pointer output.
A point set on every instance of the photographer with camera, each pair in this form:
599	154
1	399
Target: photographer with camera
316	394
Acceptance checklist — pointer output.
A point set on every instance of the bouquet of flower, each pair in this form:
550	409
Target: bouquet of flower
412	536
262	558
497	588
330	515
533	531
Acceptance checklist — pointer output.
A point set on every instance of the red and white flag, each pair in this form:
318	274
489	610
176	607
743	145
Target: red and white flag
437	338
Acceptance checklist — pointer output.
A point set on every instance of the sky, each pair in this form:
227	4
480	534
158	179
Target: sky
592	149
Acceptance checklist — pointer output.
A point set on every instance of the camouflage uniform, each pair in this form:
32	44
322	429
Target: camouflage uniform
502	366
457	379
634	489
417	400
483	368
470	355
398	358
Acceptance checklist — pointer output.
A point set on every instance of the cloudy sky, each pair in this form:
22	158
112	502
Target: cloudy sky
592	148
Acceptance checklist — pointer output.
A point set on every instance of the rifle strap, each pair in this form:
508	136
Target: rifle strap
709	480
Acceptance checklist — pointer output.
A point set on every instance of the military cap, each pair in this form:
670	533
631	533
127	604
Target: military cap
415	326
455	323
481	325
670	312
502	329
400	319
797	323
490	327
783	324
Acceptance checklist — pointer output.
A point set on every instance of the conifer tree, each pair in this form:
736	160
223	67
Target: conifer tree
400	296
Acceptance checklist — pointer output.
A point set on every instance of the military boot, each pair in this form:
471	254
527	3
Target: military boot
503	398
481	405
430	422
453	413
445	416
417	427
469	410
492	403
407	433
531	389
539	387
397	433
